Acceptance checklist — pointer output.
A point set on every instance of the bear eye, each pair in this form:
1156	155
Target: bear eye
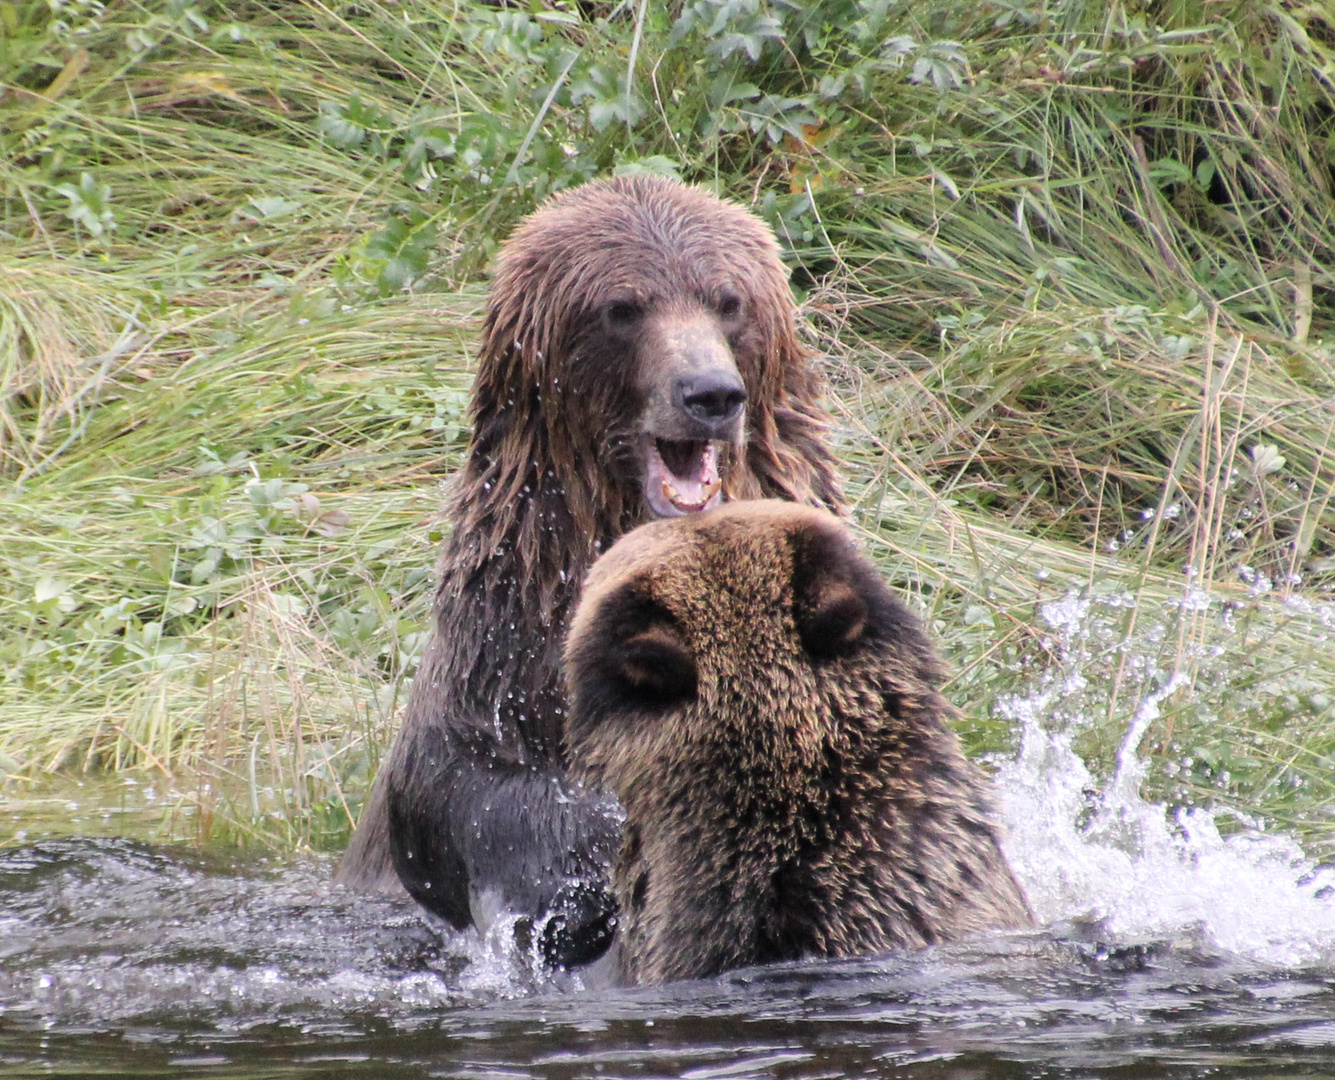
623	313
729	305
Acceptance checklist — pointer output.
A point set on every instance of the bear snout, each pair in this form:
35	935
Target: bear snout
713	399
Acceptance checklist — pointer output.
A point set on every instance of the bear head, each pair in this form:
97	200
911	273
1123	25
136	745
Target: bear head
767	713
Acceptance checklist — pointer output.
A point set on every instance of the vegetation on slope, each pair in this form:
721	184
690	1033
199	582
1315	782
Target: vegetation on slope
1070	264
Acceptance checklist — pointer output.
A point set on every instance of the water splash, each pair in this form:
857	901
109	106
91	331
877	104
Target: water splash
111	931
1085	849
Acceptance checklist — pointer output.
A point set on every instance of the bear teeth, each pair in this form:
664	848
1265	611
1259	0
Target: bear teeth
707	492
682	476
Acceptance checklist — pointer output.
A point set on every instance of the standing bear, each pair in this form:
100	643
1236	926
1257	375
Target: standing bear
640	359
767	714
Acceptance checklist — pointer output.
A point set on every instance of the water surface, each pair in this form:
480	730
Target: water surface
1171	947
117	958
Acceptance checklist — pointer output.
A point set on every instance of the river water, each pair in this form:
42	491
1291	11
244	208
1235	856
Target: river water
1170	948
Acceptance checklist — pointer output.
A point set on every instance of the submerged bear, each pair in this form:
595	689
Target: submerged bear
767	713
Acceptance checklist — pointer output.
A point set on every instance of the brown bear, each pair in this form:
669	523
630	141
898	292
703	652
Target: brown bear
767	714
640	359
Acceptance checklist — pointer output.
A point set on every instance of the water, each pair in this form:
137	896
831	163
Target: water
1176	943
1170	951
119	959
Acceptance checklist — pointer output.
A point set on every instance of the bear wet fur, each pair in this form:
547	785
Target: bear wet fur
767	713
640	358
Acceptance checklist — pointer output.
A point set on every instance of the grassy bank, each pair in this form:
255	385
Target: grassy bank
1069	268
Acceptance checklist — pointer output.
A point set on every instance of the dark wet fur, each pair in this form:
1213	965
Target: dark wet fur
474	792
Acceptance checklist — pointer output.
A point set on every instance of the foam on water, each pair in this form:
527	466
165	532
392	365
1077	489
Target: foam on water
114	932
1090	850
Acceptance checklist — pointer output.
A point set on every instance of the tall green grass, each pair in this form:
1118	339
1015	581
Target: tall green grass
1069	266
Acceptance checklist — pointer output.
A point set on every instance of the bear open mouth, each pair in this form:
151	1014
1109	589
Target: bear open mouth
681	476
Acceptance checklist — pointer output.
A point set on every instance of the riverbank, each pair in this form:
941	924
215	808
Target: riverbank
1070	272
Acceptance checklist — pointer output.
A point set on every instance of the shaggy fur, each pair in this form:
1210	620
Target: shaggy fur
632	322
767	714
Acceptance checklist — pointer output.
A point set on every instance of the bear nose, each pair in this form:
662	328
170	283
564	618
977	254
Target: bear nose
714	399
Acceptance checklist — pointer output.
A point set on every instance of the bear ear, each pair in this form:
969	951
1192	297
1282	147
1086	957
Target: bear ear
833	591
629	651
655	665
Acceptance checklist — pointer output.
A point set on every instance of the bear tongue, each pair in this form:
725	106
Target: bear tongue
681	477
